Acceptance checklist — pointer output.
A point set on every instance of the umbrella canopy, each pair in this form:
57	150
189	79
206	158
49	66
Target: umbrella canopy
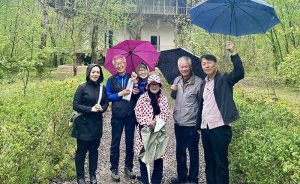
234	17
135	52
168	63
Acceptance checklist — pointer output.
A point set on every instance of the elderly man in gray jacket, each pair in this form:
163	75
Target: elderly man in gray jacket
186	92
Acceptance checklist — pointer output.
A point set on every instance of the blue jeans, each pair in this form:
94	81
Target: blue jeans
117	126
187	138
82	148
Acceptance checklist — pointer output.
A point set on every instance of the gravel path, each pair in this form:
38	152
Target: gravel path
103	172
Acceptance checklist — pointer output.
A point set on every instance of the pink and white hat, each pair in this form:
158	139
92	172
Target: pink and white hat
154	78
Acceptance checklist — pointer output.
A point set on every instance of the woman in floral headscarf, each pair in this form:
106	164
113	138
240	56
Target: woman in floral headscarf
150	106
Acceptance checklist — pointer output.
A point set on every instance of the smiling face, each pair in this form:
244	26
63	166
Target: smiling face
209	67
143	73
185	68
120	65
154	87
95	74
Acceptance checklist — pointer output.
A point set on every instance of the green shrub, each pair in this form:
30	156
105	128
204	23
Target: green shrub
289	70
266	144
35	142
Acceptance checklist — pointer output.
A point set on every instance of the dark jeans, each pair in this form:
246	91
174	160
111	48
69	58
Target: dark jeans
215	144
187	138
157	172
82	148
117	126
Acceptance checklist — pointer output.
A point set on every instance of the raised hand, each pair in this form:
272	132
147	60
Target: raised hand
230	47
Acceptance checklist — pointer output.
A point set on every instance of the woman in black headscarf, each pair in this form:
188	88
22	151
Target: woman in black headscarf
87	127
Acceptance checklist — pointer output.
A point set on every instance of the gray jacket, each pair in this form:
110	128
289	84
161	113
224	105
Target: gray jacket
187	101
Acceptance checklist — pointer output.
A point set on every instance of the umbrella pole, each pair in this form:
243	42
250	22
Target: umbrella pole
148	172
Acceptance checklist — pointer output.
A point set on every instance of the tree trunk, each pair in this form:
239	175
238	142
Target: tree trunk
14	39
43	44
276	49
94	42
135	30
74	48
53	42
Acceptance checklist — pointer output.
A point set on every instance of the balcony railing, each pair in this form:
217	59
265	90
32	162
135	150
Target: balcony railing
161	10
146	9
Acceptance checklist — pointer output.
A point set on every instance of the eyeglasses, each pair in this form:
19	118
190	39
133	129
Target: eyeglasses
155	84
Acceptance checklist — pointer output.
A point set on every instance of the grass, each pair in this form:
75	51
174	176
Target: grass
286	94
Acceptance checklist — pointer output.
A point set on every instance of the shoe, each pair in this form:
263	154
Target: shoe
80	181
93	180
177	181
129	173
115	175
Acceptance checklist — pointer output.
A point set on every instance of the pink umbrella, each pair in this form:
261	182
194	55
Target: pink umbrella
135	52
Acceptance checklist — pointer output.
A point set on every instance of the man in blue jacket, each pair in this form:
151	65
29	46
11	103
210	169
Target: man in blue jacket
123	116
216	112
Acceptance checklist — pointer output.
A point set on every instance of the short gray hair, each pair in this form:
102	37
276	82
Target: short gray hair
117	57
185	58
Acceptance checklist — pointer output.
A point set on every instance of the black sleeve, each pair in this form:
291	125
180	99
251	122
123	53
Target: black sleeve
104	100
174	93
77	101
238	71
199	115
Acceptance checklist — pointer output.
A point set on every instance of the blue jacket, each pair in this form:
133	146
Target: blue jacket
223	91
120	108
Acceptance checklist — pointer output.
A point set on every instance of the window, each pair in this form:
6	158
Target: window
155	41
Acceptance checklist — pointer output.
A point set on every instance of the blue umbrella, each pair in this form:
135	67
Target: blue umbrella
234	17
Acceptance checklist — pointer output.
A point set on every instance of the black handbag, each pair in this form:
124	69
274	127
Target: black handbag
77	114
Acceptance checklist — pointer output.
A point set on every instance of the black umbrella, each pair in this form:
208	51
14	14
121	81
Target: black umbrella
168	63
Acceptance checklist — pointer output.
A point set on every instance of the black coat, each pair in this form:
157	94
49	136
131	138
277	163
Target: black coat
223	91
89	125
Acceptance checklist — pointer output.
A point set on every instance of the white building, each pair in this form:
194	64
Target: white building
159	25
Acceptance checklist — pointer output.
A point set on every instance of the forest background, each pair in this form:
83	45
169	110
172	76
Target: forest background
36	102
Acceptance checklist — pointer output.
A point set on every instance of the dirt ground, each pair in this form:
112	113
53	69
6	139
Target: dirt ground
103	171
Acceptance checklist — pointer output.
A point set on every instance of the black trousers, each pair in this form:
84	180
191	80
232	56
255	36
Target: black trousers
157	173
117	126
215	144
187	138
82	148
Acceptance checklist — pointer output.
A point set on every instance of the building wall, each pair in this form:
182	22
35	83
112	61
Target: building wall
164	32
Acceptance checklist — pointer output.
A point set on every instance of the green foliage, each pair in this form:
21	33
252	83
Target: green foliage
35	142
289	70
266	144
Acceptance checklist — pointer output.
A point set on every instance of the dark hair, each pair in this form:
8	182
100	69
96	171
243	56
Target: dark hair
141	66
208	57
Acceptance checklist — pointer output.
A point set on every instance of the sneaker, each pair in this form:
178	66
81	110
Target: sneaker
93	180
115	175
177	181
129	173
80	181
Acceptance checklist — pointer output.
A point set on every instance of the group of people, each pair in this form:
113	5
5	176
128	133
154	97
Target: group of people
202	107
